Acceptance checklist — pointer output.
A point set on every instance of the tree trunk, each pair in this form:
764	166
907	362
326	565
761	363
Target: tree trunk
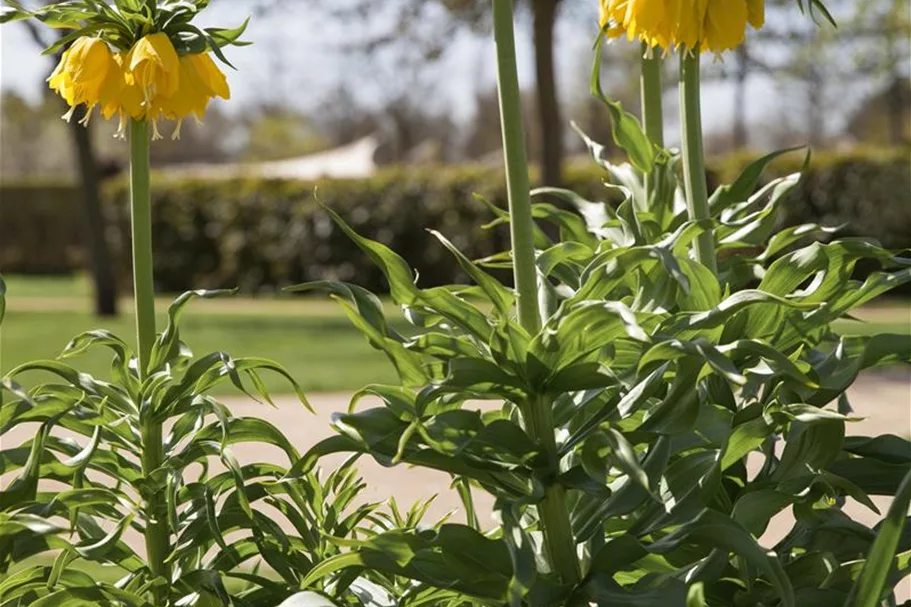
551	122
898	105
815	114
99	252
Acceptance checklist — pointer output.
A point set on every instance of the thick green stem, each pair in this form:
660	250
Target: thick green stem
553	513
652	107
157	536
141	213
517	182
697	196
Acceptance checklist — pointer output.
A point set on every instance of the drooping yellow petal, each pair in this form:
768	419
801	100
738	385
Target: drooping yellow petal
192	95
643	18
213	77
712	25
756	11
83	71
725	25
690	23
153	65
117	97
200	81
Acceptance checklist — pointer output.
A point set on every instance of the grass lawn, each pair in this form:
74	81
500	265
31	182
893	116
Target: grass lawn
312	338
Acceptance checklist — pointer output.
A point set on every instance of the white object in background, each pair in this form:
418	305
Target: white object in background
353	161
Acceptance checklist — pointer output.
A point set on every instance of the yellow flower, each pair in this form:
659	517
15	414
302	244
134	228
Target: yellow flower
200	81
705	25
86	74
213	77
152	65
126	98
756	11
148	82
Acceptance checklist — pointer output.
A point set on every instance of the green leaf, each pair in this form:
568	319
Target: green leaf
714	529
728	308
887	447
167	348
626	130
225	36
499	295
454	557
679	410
589	519
755	509
872	475
745	438
601	589
872	585
8	14
594	215
811	447
746	183
95	595
521	552
695	596
607	449
97	550
402	286
587	327
407	364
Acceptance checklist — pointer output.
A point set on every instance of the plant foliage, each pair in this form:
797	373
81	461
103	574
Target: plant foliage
689	409
240	532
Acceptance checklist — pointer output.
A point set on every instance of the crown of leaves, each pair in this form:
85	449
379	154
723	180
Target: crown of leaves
122	23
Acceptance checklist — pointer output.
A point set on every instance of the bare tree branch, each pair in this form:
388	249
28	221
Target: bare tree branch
34	32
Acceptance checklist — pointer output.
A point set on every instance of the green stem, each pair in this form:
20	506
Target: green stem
552	511
141	213
652	110
157	533
517	182
694	156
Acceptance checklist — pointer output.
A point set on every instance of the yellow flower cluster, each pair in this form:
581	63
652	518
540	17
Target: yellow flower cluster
148	82
703	25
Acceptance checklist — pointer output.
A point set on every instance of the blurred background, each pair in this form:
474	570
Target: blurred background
388	110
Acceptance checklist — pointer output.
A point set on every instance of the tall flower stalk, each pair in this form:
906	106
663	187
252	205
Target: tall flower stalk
157	532
143	66
650	86
652	106
690	29
141	224
538	410
697	197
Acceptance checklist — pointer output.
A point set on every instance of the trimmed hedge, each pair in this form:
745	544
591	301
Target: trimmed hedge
262	235
267	234
42	228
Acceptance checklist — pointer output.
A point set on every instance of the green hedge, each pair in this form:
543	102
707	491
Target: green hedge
41	228
265	234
